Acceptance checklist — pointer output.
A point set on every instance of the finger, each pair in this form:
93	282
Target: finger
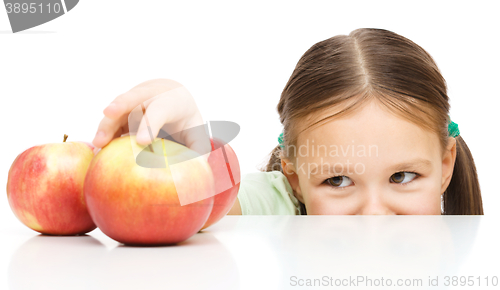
107	130
200	146
173	107
124	103
96	150
120	104
196	137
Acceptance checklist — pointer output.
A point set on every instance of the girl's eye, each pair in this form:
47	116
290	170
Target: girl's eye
402	176
339	180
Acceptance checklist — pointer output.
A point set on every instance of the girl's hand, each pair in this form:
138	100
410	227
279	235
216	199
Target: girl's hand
168	106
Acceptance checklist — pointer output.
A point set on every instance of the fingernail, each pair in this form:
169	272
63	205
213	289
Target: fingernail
112	105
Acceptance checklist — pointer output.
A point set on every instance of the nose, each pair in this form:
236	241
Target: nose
375	204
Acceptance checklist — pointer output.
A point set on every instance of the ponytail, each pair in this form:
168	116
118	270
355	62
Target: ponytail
274	161
463	195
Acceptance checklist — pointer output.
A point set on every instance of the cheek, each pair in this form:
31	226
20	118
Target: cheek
313	201
336	208
318	202
422	205
426	200
430	204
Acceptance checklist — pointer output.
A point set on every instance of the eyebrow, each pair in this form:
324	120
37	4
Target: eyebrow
327	169
415	163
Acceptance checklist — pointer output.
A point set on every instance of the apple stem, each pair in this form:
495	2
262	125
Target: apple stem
65	137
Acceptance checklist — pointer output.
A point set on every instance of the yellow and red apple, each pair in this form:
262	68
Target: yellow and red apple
136	205
45	188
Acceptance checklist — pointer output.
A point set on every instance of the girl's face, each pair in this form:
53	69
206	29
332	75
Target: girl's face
370	162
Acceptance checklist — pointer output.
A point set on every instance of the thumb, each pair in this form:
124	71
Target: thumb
202	146
150	122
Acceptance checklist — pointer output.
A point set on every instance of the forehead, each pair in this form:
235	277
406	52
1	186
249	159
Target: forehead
371	125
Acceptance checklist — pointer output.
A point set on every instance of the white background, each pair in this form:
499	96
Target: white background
235	59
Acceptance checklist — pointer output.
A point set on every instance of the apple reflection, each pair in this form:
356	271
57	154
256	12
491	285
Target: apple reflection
55	262
201	262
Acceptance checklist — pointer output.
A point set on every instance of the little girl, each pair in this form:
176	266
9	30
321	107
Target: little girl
366	130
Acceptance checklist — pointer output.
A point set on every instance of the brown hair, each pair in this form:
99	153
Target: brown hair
376	63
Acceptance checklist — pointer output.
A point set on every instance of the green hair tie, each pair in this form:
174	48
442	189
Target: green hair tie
453	131
280	140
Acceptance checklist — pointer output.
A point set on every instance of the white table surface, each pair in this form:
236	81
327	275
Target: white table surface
267	252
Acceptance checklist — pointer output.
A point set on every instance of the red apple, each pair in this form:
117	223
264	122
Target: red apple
137	205
227	180
45	188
